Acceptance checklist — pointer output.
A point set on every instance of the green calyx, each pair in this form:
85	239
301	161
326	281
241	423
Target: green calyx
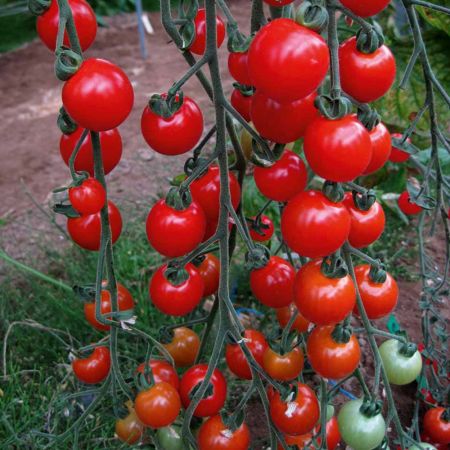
312	14
378	274
371	407
333	191
369	118
85	293
418	197
166	105
264	157
66	210
165	335
258	226
65	122
289	393
38	7
194	392
178	199
342	333
334	267
237	41
176	275
233	421
257	257
369	41
365	200
408	349
67	63
333	106
246	91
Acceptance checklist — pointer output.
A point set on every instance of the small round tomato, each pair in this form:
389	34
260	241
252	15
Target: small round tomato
282	122
237	361
175	232
337	150
381	148
209	270
238	67
333	436
162	371
365	9
170	438
283	367
129	429
397	155
176	300
86	230
89	197
176	134
241	103
314	226
262	232
94	368
206	191
213	403
320	299
379	299
111	150
284	179
407	206
436	426
99	96
273	284
198	45
183	347
329	358
366	226
277	58
365	76
295	416
83	16
284	315
158	406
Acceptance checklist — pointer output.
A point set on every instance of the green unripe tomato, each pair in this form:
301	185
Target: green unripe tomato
330	412
424	445
400	369
359	431
169	438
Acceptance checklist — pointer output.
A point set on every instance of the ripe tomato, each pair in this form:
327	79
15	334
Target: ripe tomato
99	96
210	405
331	359
124	302
366	226
282	122
94	368
277	58
85	230
297	442
176	134
284	179
176	300
314	226
174	232
158	406
365	9
236	360
129	429
206	191
366	77
111	150
397	155
381	148
278	3
283	367
215	435
183	347
238	67
407	206
273	284
209	270
89	197
284	314
379	299
333	436
264	232
198	45
83	16
241	103
337	150
162	371
435	426
297	415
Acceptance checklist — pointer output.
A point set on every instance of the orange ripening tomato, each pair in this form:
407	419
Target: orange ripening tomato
209	270
129	429
183	347
283	367
284	315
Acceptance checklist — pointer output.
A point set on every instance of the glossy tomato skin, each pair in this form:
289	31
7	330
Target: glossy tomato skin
111	149
176	300
379	299
214	435
284	179
162	372
282	122
238	67
277	58
337	150
333	436
365	9
314	226
331	359
176	134
95	368
278	3
170	438
183	347
284	314
366	226
235	358
210	405
85	230
407	206
263	234
283	367
397	155
83	16
381	148
209	270
89	197
366	77
241	103
174	232
198	45
129	429
435	426
158	406
273	284
99	96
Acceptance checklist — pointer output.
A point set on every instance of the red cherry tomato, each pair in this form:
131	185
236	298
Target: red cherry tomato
278	56
314	226
365	9
209	270
435	426
176	300
198	45
94	368
99	96
407	206
333	436
297	442
176	134
282	122
89	197
162	371
381	148
238	67
83	16
331	359
85	230
183	347
337	150
210	405
241	103
379	299
284	179
111	150
273	284
366	77
284	315
265	230
397	155
236	360
366	226
283	367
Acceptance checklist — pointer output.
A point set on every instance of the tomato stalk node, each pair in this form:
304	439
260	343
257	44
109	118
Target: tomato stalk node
38	7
